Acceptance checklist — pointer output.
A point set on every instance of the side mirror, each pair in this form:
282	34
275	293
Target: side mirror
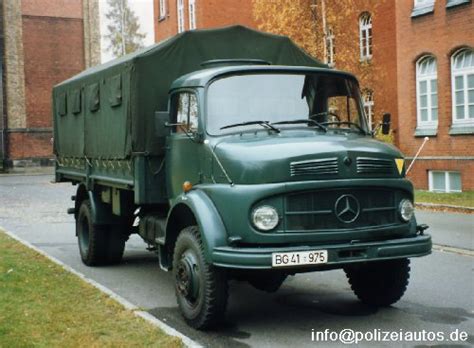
386	123
161	120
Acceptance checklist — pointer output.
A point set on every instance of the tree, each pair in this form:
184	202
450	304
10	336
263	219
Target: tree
124	29
308	23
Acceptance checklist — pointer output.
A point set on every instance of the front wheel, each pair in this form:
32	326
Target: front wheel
379	283
201	288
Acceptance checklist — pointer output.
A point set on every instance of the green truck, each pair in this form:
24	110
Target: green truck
234	155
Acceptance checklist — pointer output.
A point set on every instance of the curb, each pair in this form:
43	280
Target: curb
187	341
454	250
446	207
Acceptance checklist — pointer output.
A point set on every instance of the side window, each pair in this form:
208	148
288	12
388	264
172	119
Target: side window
187	112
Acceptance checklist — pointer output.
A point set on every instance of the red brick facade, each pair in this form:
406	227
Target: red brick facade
53	51
209	14
29	145
439	34
52	41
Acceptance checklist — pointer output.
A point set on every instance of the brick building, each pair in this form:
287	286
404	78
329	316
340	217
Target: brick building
435	69
413	58
42	42
175	16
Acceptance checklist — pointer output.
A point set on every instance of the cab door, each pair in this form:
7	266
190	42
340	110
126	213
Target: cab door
182	157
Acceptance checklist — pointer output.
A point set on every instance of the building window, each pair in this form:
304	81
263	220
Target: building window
180	5
442	181
427	92
368	99
422	7
462	72
162	9
453	3
330	49
365	36
192	14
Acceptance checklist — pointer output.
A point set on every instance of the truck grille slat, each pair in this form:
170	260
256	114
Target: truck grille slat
325	166
367	165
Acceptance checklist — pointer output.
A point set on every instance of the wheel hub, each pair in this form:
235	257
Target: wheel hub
187	276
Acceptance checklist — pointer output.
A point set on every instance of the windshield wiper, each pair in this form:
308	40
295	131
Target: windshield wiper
308	121
264	124
346	122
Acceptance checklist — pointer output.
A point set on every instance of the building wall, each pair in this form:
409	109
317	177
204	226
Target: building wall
47	41
438	33
209	14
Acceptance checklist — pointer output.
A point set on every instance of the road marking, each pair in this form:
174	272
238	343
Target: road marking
187	341
448	249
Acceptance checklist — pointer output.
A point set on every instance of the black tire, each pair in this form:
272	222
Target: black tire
201	288
98	244
267	282
379	283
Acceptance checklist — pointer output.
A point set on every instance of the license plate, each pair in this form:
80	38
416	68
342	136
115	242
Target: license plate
299	258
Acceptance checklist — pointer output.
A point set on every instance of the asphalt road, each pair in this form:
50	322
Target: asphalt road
440	297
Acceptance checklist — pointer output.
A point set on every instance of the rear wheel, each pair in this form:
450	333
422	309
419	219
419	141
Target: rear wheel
379	283
98	244
201	288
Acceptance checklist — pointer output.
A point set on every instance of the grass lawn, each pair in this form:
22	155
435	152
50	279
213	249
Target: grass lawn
465	199
43	305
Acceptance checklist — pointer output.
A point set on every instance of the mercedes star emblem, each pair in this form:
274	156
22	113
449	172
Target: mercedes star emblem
347	208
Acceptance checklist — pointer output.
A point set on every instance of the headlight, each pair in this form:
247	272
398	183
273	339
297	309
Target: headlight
406	209
265	218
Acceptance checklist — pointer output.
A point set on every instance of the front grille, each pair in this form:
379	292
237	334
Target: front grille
324	166
367	165
310	211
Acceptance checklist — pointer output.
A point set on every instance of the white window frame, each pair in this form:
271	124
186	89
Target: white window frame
180	15
446	180
368	101
192	14
464	73
329	54
427	78
423	3
365	36
162	14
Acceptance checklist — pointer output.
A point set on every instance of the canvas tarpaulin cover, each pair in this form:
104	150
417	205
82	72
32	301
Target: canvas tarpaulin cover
119	98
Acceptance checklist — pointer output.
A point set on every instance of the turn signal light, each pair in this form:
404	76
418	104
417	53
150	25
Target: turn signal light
187	186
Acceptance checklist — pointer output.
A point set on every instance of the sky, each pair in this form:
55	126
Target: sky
144	11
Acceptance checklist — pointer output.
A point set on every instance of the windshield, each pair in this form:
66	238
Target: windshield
283	100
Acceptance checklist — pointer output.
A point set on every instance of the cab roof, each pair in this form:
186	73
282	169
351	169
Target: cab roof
202	77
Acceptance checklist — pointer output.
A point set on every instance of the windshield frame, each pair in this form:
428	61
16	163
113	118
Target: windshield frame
335	73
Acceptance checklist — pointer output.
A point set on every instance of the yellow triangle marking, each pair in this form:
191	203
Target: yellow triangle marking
399	162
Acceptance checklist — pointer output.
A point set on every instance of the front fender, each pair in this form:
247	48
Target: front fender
211	227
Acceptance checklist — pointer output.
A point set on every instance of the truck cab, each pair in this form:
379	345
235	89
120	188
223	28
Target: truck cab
279	169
